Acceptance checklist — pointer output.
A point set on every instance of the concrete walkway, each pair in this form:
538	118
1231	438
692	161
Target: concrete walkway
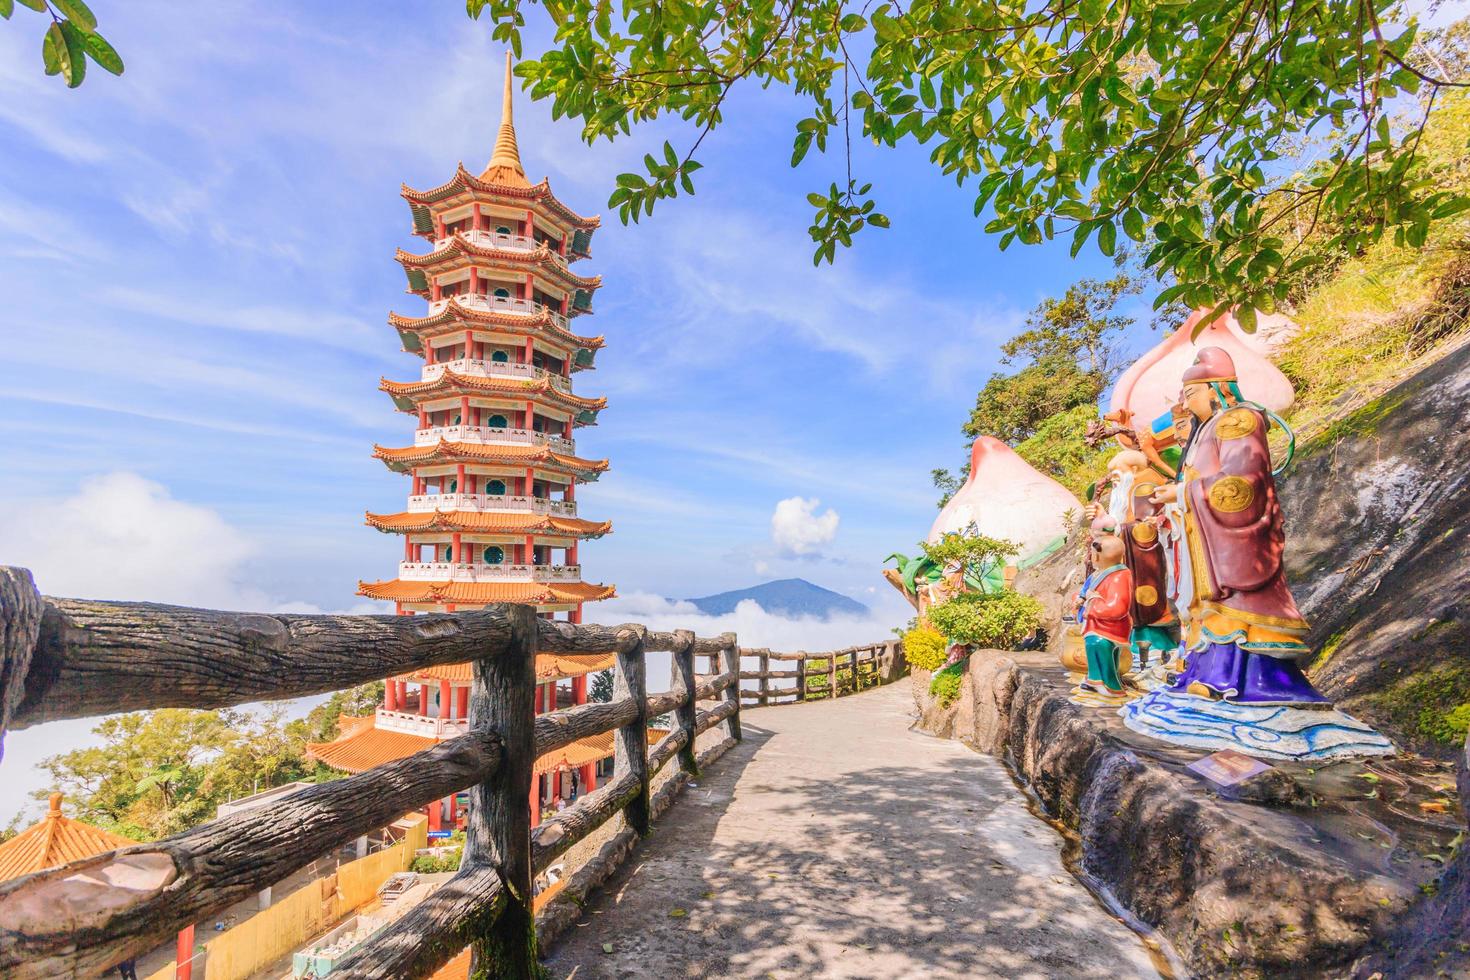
834	842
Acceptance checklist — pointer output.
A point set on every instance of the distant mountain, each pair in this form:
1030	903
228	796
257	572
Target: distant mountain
784	597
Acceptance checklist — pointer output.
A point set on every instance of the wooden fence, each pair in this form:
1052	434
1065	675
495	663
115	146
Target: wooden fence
69	658
817	675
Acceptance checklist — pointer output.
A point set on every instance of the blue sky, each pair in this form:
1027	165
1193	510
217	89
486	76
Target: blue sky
198	263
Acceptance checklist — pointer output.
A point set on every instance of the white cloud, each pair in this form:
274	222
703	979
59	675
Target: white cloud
798	529
121	536
753	626
761	567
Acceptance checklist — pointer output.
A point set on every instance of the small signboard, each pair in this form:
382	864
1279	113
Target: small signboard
1228	767
440	834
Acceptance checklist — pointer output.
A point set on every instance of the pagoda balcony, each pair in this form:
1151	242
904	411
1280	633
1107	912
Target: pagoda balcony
478	367
427	503
409	723
444	571
485	434
497	304
491	239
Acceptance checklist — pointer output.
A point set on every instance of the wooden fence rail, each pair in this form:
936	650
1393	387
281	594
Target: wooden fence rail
840	672
70	658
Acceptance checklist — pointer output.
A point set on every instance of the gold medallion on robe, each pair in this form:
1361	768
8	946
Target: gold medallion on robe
1236	423
1231	494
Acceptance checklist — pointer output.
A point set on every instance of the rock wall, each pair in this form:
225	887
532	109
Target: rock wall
1211	875
1378	554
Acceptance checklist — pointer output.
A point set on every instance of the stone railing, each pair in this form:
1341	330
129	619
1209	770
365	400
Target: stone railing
491	435
482	368
414	724
497	304
444	571
70	658
427	503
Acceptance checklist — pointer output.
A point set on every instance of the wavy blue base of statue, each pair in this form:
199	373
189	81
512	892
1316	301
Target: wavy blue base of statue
1268	732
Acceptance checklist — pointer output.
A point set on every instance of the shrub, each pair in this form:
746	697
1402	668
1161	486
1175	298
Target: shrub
924	647
428	864
998	620
944	687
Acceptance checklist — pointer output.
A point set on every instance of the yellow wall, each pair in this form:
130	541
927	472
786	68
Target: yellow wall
289	923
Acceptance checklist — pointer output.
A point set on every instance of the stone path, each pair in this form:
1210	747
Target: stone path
834	842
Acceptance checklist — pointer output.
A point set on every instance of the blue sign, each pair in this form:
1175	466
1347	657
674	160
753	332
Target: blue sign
439	834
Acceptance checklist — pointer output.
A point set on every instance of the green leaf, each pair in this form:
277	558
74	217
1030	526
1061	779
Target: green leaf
1107	238
7	7
607	947
878	220
852	23
77	12
816	200
103	53
1133	224
1246	317
37	5
53	48
74	59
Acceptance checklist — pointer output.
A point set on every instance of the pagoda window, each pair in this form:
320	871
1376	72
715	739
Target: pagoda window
496	488
494	554
498	422
499	357
457	419
449	552
502	230
502	293
453	487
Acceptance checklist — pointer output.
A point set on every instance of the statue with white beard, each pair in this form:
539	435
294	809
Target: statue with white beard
1131	482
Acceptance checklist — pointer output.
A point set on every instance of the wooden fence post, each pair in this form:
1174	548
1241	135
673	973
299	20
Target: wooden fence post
765	682
832	674
498	828
857	682
730	663
631	741
688	712
801	677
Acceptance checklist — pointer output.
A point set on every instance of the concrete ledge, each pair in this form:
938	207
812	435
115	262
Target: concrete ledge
1222	881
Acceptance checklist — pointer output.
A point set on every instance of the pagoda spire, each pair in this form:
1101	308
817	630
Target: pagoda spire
505	162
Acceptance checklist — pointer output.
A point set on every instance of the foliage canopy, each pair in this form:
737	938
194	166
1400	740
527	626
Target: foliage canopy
1177	124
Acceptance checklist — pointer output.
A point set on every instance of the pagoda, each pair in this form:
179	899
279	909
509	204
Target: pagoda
492	509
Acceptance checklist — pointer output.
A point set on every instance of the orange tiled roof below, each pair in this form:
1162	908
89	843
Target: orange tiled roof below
367	747
549	666
56	840
363	749
510	455
481	593
491	522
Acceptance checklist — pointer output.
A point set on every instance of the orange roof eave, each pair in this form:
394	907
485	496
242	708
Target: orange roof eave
363	750
457	313
485	593
483	453
54	841
488	522
549	666
541	257
450	382
463	181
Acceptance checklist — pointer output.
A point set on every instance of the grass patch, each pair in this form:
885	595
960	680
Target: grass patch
1433	705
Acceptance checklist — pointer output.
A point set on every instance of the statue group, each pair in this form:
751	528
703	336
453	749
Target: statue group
1188	624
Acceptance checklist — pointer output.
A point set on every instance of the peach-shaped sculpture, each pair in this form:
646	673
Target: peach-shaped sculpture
1151	384
1006	497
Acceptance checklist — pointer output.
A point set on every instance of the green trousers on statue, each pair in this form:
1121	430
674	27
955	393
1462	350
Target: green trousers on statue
1102	662
1159	639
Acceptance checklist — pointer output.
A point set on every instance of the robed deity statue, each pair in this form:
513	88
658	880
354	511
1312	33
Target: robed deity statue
1246	635
1242	685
